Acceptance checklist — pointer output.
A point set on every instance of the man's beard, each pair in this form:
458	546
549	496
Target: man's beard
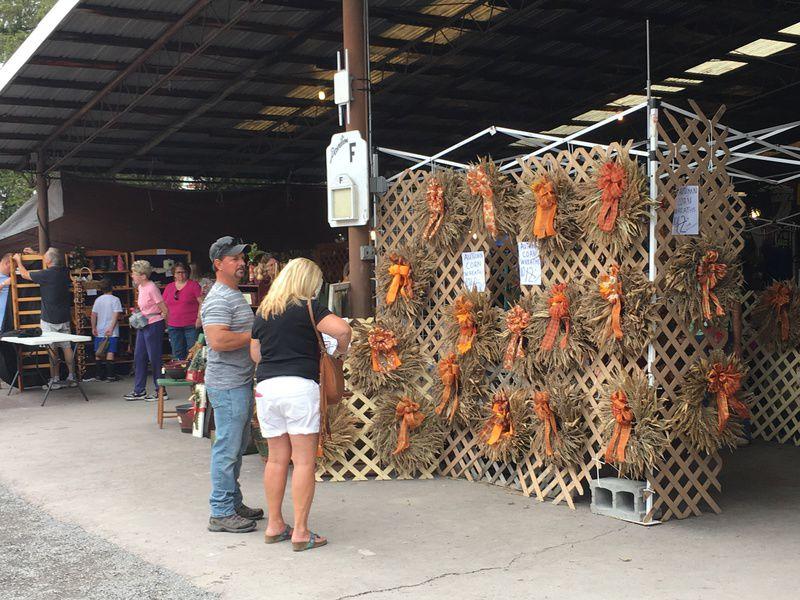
239	274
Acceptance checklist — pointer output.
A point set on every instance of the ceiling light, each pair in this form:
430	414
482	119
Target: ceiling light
792	29
683	81
321	95
763	47
716	66
755	213
666	88
594	116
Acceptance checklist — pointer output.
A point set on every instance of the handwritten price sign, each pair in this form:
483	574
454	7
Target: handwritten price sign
530	264
686	218
474	273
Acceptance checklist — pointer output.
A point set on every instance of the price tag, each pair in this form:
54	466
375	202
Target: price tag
161	252
686	218
530	264
474	271
91	292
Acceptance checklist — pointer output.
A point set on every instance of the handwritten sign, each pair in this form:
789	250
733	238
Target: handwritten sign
474	273
686	218
530	264
161	252
91	292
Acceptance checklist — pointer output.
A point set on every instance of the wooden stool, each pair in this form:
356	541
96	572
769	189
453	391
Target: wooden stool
162	414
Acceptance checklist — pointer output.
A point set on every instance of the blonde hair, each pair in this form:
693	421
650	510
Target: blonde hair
299	281
142	267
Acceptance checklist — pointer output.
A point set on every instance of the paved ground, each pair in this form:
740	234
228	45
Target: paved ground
117	488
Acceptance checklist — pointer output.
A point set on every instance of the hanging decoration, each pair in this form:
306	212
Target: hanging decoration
341	435
634	428
489	199
505	433
620	311
520	348
711	403
404	277
459	392
776	317
406	433
440	214
548	209
474	331
615	203
517	321
450	378
557	332
384	353
703	280
558	426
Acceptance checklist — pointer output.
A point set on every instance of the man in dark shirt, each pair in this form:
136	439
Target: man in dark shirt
54	285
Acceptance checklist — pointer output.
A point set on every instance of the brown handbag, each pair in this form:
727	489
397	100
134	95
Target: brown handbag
331	370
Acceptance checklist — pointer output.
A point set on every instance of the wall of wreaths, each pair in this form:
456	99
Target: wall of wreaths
414	410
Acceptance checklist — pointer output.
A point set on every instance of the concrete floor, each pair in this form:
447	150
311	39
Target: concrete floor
106	467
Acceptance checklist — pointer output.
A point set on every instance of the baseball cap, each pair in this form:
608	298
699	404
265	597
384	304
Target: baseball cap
226	246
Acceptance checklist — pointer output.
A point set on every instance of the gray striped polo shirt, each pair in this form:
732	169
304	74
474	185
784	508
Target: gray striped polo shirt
227	306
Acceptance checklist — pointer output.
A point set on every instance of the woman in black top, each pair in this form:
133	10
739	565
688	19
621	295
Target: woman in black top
285	347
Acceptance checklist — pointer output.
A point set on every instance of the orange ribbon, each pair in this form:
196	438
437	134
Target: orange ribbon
400	270
479	185
407	412
498	425
558	310
434	196
541	406
517	320
623	415
449	372
544	224
611	291
466	324
611	183
709	274
383	350
777	296
725	381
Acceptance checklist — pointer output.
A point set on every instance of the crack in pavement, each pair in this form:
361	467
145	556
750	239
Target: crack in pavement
482	569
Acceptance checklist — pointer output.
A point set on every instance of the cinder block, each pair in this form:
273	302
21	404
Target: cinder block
620	498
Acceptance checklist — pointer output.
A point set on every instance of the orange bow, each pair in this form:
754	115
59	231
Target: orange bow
400	270
725	381
407	412
466	324
434	196
517	320
611	183
777	296
623	415
498	426
611	291
544	224
449	372
383	349
558	311
709	274
479	185
541	406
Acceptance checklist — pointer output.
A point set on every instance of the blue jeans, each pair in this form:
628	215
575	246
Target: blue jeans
181	339
233	410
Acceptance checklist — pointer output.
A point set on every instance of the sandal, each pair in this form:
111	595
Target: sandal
313	542
286	534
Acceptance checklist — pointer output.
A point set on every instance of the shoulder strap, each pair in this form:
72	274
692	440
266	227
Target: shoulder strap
314	327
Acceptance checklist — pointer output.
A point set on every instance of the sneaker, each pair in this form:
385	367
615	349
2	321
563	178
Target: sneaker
111	379
254	514
135	396
231	524
150	398
55	384
71	382
166	396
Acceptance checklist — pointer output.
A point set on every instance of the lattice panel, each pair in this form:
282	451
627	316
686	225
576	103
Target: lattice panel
774	382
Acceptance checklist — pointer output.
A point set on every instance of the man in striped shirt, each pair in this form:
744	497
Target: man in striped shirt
227	323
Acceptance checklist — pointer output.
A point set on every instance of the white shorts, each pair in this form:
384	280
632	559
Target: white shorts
287	405
56	328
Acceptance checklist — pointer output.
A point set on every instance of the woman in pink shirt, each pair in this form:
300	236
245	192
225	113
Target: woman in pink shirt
183	298
150	338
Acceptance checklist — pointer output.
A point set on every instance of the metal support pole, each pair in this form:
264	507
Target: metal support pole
42	207
355	42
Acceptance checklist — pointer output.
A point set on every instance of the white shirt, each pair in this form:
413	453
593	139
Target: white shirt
105	307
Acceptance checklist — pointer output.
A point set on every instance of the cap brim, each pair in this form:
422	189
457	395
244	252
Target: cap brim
236	250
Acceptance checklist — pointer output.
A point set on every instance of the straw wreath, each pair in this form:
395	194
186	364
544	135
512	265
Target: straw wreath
504	433
776	317
384	354
457	392
404	277
634	428
548	209
406	432
620	311
489	199
518	344
559	338
711	404
559	429
473	331
615	203
440	213
702	281
342	434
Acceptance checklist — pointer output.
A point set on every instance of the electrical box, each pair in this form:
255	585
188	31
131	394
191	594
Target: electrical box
347	164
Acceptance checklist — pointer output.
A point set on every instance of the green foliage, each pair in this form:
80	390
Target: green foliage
14	191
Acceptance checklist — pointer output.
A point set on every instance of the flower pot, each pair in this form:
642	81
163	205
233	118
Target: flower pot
186	416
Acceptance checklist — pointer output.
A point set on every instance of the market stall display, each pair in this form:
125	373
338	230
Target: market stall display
440	214
404	277
558	424
489	198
